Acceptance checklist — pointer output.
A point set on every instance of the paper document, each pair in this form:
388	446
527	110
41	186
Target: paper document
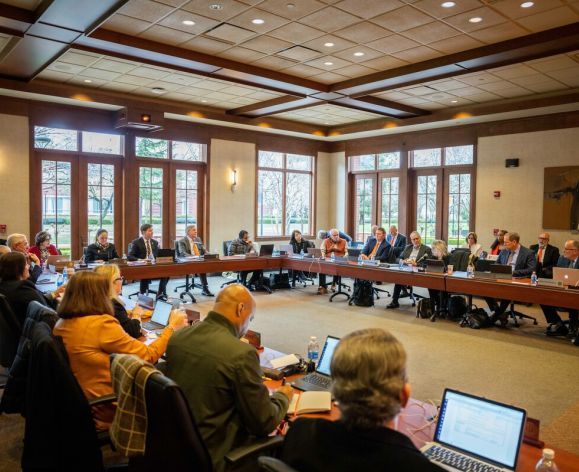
281	362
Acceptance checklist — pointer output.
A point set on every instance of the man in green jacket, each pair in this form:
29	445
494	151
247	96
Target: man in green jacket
221	376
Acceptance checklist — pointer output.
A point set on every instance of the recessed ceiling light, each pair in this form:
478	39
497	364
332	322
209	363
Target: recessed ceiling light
87	81
358	54
329	45
448	4
328	63
527	4
203	101
258	21
158	90
290	5
454	101
188	22
216	6
326	123
475	19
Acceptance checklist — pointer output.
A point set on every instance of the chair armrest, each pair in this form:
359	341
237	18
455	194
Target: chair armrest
103	400
271	464
259	445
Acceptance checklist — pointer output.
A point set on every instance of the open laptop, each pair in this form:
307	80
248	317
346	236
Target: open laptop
435	265
286	249
354	252
473	433
567	276
320	380
315	252
146	302
266	250
497	271
58	261
160	317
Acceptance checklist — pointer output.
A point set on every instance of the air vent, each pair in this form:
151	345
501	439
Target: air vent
230	34
298	53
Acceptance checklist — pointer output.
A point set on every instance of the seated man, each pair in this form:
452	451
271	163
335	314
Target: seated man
377	248
191	245
370	385
333	245
523	262
412	255
244	245
143	248
372	233
569	259
19	243
221	377
396	240
547	256
323	234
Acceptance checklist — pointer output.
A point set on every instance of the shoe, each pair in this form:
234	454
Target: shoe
322	290
393	304
162	296
558	330
207	292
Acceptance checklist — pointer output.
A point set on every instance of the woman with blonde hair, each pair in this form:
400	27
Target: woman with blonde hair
113	274
91	333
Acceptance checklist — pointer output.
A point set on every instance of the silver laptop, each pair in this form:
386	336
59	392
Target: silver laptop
57	260
160	317
476	434
148	303
567	276
315	252
321	379
287	248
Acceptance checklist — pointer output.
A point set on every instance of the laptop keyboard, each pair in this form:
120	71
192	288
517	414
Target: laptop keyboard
458	461
318	380
151	326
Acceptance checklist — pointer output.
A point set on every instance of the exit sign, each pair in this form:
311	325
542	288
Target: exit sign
2	229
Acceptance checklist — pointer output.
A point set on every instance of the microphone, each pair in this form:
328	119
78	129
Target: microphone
423	257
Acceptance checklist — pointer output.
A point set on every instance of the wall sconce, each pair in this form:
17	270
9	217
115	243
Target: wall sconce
233	180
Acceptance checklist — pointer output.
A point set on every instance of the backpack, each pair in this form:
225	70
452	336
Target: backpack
457	307
279	281
425	308
363	293
478	318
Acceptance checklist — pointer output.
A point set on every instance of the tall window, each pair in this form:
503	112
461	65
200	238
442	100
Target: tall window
459	203
284	194
186	200
101	196
426	207
390	196
151	199
56	180
364	214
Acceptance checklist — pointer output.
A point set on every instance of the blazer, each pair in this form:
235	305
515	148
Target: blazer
424	252
184	247
19	293
35	272
301	246
399	244
95	253
132	327
526	261
139	251
319	445
550	258
384	253
567	263
51	251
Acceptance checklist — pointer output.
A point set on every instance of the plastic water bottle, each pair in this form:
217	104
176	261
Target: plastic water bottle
470	271
64	276
152	258
124	258
59	280
400	264
302	255
332	257
313	349
546	463
534	279
360	259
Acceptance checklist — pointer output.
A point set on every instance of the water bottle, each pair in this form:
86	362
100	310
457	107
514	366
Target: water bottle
534	279
470	271
360	259
546	463
152	258
124	258
59	280
313	349
400	264
302	255
64	276
332	257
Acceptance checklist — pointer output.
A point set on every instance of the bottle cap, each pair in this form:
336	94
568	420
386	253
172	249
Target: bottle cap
548	454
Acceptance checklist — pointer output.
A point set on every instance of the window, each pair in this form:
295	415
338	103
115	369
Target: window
363	208
55	138
284	194
459	204
426	203
182	151
389	160
56	180
426	157
101	143
101	193
151	199
148	147
459	155
186	200
389	204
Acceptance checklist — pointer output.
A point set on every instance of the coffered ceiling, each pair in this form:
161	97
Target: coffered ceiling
325	63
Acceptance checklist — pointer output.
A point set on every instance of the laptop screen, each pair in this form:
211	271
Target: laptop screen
484	428
327	354
161	313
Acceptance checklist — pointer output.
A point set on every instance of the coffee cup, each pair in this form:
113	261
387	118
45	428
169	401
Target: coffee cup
449	269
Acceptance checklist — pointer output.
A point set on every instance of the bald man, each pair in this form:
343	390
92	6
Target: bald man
546	254
221	376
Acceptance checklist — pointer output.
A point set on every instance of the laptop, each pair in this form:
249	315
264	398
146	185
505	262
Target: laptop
354	252
58	261
286	249
146	302
315	252
160	317
266	250
435	265
320	380
567	276
473	433
497	271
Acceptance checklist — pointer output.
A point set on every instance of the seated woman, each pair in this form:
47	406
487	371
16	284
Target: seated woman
101	249
371	387
42	247
131	326
472	244
90	334
499	243
439	298
299	246
18	290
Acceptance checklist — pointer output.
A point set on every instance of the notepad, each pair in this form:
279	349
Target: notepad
310	402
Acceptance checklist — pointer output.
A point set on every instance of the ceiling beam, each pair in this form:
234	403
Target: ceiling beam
275	105
380	106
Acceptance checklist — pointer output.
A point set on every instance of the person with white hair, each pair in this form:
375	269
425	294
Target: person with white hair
19	243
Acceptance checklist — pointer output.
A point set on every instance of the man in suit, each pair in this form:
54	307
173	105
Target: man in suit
547	256
569	259
376	247
396	240
244	245
523	263
412	255
19	243
143	248
191	245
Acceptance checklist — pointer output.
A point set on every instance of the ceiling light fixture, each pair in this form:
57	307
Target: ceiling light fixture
328	63
290	5
87	81
448	4
359	54
527	4
216	6
258	21
188	22
203	101
475	19
329	45
158	90
454	101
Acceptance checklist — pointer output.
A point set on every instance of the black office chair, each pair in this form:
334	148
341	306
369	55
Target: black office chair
189	280
149	290
339	284
300	276
237	280
10	330
271	464
514	314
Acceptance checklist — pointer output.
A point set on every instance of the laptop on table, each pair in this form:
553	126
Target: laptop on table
160	318
58	261
321	379
476	434
315	252
266	250
567	276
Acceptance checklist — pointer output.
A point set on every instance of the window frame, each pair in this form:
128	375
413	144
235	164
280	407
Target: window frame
284	170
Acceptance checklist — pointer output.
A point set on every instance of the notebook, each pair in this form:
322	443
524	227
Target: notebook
567	276
354	252
310	402
321	379
474	433
160	317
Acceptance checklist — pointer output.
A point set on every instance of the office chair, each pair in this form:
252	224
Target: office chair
340	291
514	314
271	464
149	290
408	292
237	280
189	280
10	330
301	276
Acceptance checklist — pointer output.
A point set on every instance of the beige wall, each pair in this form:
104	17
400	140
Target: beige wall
337	214
520	207
14	187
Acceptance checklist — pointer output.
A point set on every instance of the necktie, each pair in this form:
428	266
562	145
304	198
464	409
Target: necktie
373	253
393	242
540	255
571	264
195	249
510	259
148	248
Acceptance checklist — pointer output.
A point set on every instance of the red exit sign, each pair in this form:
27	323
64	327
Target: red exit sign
3	229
